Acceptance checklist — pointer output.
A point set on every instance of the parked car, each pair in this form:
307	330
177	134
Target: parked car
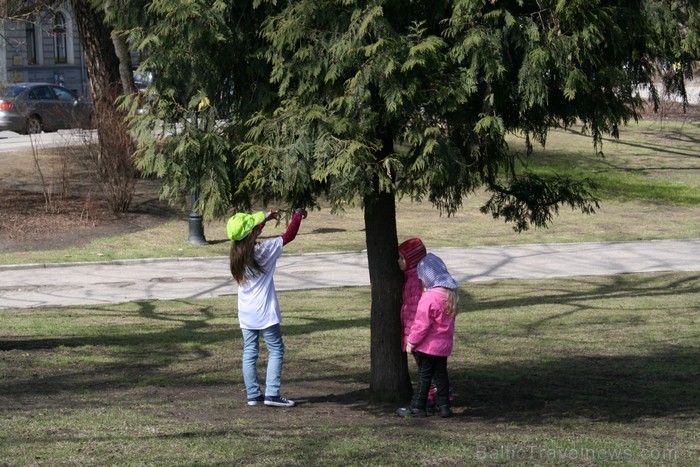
35	107
142	79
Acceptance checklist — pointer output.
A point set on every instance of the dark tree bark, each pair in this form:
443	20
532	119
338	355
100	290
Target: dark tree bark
101	59
125	66
113	162
124	56
389	377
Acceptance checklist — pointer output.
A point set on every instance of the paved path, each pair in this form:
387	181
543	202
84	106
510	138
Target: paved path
125	281
10	142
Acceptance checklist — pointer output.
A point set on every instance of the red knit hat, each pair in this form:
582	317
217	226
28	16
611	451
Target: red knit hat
412	251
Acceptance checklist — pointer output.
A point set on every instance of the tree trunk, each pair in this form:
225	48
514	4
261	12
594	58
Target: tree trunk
389	377
100	58
114	165
125	66
102	66
124	56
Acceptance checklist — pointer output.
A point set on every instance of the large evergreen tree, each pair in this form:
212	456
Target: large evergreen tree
209	79
371	100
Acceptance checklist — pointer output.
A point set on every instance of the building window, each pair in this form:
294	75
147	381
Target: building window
31	45
59	32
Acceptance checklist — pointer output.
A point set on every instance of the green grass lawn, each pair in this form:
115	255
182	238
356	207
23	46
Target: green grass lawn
650	162
576	371
649	186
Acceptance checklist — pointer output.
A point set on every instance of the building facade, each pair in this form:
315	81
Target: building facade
43	47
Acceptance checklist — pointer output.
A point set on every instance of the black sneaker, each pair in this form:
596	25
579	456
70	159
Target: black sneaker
278	401
256	400
408	412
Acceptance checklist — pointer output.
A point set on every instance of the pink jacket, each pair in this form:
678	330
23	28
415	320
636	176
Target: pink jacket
412	291
433	331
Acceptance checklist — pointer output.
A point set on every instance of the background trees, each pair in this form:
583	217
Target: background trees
364	101
108	66
209	79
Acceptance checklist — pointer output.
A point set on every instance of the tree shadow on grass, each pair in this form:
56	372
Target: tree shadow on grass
611	388
596	386
619	389
326	230
197	319
142	356
665	149
619	287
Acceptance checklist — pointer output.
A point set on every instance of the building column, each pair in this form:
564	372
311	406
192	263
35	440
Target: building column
3	53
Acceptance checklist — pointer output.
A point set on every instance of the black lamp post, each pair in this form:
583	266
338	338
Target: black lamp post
195	223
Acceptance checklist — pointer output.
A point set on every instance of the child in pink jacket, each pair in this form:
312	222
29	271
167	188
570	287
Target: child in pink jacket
431	336
410	253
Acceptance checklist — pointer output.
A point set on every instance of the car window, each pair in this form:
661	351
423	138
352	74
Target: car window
12	91
64	94
143	79
41	93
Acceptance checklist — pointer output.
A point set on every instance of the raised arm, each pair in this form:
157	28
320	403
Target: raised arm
293	227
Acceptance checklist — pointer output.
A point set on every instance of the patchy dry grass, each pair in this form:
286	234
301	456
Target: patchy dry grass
651	162
649	186
576	371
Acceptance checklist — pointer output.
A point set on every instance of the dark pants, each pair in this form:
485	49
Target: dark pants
431	369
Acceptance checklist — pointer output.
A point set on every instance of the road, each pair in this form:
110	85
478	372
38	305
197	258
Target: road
11	141
26	286
692	89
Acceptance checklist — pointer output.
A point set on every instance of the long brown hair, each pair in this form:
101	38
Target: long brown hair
242	258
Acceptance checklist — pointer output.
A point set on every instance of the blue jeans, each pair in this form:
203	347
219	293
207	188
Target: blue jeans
251	349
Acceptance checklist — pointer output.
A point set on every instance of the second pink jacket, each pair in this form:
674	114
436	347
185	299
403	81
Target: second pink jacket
433	330
412	290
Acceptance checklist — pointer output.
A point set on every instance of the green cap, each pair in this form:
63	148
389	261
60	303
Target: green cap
241	224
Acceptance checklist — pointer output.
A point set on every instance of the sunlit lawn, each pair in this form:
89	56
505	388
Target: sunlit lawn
649	187
577	371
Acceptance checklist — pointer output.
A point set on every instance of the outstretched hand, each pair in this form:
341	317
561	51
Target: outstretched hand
301	211
273	214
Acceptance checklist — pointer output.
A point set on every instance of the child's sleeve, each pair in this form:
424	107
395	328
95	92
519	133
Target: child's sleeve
292	229
421	323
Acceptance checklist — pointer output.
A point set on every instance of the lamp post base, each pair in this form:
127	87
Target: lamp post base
196	227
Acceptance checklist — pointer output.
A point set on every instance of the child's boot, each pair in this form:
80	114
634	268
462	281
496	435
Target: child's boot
445	411
411	412
415	409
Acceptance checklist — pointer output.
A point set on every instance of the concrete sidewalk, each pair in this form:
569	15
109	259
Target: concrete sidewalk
23	286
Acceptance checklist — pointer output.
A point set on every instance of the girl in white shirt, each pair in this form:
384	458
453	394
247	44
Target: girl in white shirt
252	266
